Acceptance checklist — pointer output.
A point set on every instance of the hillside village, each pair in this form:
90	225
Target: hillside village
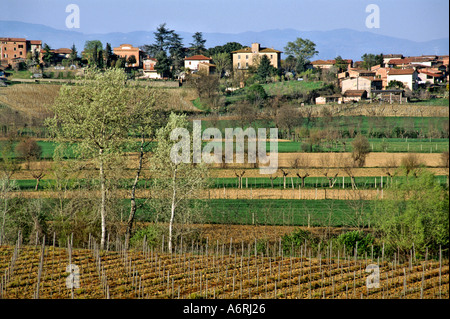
358	177
386	76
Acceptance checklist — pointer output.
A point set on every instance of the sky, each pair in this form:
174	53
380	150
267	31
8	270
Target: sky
416	20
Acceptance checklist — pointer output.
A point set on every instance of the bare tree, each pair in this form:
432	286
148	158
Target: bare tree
349	169
411	164
285	173
302	166
239	175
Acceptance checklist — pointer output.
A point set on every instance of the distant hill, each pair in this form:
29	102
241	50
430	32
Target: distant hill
344	42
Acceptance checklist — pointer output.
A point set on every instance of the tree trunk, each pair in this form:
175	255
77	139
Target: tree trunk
133	196
103	201
37	183
172	212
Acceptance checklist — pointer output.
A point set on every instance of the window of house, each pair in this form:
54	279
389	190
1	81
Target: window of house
271	56
239	65
239	57
246	65
20	53
246	57
20	46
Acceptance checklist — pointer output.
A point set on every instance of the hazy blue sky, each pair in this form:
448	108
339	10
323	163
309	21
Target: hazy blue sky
409	19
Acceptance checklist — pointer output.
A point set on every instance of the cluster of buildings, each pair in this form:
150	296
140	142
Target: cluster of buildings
15	50
357	83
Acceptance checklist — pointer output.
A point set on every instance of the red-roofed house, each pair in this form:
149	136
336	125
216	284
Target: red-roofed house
409	77
193	61
430	75
14	49
149	68
326	64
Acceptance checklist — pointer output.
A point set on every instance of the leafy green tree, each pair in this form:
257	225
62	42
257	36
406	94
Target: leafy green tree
226	48
198	45
414	212
73	57
340	64
303	49
395	84
177	181
48	56
163	66
163	37
144	120
370	60
131	60
176	51
109	55
256	94
93	116
91	50
265	69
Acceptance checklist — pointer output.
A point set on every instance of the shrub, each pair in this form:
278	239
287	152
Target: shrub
256	94
353	238
151	233
297	239
361	148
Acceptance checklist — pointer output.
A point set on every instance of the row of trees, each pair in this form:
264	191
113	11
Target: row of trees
101	117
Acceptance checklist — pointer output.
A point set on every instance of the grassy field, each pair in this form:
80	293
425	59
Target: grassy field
333	213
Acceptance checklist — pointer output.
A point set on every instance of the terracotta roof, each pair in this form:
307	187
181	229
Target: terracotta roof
13	39
269	50
243	50
357	93
263	50
329	62
35	41
198	57
433	74
63	51
401	72
412	59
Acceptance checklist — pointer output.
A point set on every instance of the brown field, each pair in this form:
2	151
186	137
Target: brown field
220	272
317	162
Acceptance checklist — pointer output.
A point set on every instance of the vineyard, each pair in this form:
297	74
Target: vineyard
215	271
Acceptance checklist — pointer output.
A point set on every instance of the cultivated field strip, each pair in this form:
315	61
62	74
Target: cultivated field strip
220	272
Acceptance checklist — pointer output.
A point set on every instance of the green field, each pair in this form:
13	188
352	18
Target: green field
333	213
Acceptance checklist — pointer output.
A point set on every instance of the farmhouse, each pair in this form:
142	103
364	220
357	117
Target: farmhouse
409	77
361	83
126	51
13	48
430	75
327	64
354	95
149	68
193	62
246	57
